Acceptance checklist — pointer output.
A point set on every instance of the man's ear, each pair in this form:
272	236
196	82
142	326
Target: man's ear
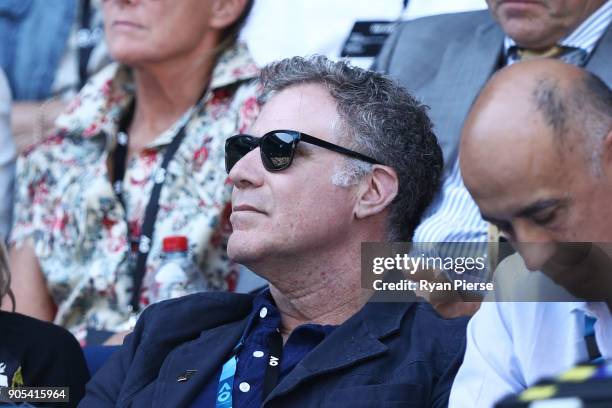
378	190
225	12
606	158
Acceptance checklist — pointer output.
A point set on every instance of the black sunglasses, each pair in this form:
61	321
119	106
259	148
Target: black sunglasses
278	148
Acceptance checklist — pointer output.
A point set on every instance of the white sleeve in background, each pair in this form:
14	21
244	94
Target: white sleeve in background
490	369
278	29
8	155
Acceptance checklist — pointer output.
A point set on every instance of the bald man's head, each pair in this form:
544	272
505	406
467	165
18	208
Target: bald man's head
536	153
570	101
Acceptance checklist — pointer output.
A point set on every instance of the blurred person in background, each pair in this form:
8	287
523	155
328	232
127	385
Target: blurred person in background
137	157
446	60
7	159
35	353
49	50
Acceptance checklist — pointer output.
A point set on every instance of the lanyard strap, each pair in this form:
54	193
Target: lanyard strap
589	338
226	383
273	367
121	152
228	372
148	223
86	40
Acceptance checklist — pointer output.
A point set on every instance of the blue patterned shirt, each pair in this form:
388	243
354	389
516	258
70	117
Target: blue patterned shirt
252	357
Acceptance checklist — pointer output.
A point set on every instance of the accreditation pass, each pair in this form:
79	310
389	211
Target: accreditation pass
34	394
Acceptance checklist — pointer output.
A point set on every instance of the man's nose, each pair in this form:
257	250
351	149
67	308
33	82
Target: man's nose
248	171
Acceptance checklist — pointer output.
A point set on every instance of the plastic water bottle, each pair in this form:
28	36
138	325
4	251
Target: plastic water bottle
177	275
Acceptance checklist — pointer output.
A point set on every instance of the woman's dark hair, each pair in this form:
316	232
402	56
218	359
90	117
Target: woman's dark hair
230	35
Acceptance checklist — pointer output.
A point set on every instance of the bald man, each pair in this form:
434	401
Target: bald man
446	60
536	156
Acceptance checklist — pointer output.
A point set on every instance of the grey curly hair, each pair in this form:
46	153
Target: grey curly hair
380	119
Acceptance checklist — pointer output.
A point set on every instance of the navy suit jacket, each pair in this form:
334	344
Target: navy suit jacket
386	355
445	61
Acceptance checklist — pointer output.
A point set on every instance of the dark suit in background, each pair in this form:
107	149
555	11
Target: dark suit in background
445	60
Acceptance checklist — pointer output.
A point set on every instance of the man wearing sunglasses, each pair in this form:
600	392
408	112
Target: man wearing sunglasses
337	157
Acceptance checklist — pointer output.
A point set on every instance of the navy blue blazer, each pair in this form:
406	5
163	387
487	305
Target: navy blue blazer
386	355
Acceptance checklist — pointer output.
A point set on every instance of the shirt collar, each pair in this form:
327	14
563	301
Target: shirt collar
97	109
586	35
598	310
271	318
380	321
235	64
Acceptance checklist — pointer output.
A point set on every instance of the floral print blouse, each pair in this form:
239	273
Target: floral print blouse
67	210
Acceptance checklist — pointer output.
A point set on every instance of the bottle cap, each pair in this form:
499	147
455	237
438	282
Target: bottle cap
177	243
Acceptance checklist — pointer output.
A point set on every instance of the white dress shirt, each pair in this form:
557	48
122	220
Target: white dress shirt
512	345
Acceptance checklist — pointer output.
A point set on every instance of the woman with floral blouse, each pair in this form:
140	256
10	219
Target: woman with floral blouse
78	231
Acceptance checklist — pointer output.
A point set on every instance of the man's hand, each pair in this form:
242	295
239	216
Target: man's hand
447	304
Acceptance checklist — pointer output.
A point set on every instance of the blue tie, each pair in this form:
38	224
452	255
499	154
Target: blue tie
595	356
